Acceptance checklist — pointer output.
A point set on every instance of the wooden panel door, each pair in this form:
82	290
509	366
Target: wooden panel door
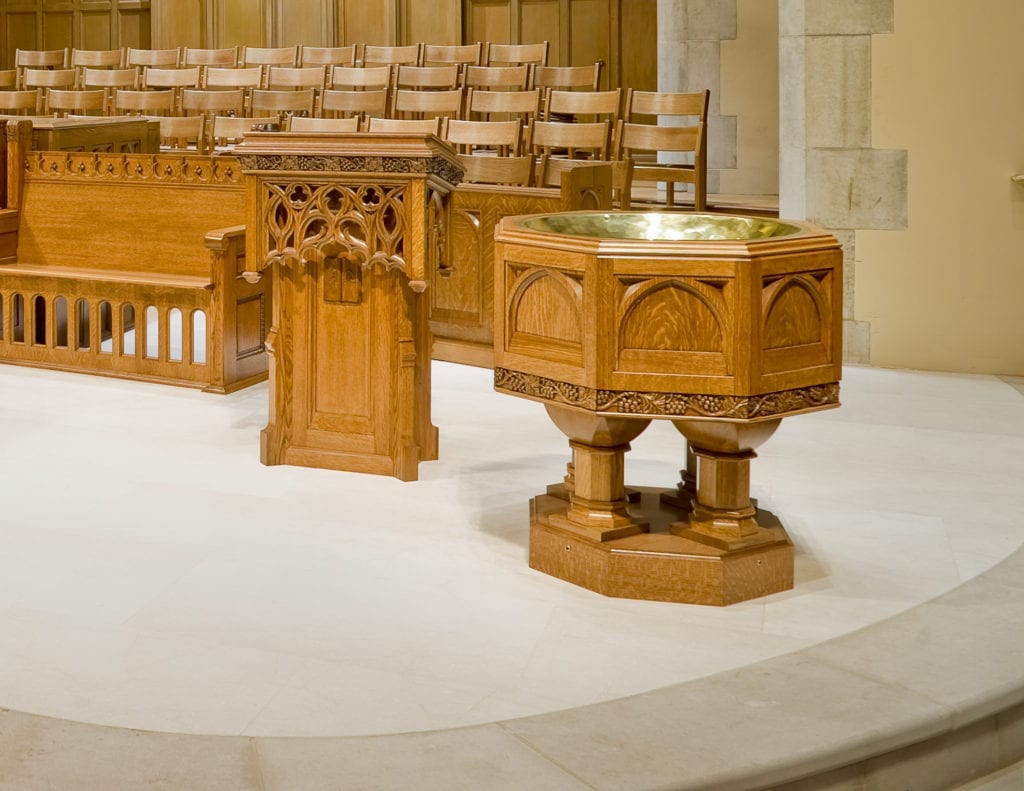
81	24
622	33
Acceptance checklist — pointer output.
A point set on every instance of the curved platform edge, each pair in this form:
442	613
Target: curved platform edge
931	698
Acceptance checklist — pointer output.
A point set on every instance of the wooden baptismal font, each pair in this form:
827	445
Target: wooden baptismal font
354	226
723	325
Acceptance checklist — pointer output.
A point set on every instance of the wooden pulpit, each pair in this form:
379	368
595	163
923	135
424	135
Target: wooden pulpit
352	225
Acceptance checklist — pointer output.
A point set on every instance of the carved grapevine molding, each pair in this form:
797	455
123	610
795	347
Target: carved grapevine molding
666	404
344	164
165	168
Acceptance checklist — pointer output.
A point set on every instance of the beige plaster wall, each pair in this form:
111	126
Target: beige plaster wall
750	91
947	293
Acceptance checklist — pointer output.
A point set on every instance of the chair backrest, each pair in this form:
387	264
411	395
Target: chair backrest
566	78
375	55
223	57
280	77
48	78
299	124
577	140
518	54
328	56
8	79
352	77
426	104
110	78
19	102
61	102
266	57
453	54
225	77
501	137
25	59
358	103
223	102
658	103
157	77
165	58
436	78
97	58
583	105
266	102
691	140
182	131
500	105
512	78
516	171
154	103
430	126
269	56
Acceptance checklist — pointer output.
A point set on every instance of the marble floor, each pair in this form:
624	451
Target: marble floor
154	575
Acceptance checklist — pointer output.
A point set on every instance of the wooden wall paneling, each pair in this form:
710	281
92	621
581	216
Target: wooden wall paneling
134	23
95	26
58	25
21	28
178	23
636	63
487	20
369	22
590	24
542	20
241	22
439	22
304	22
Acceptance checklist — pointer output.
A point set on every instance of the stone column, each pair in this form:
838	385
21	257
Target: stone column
689	34
828	171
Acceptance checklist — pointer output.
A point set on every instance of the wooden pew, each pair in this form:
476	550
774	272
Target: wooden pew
462	295
128	265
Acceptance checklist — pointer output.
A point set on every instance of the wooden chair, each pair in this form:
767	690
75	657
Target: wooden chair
517	54
212	104
566	78
8	79
633	138
173	80
265	57
39	59
453	55
429	126
82	59
360	104
375	55
161	58
513	171
583	106
148	103
109	80
571	141
427	78
229	130
427	104
19	102
204	58
182	131
507	78
299	124
502	138
60	103
328	56
283	103
45	80
502	105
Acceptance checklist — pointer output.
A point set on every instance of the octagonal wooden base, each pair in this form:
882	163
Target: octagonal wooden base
658	565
